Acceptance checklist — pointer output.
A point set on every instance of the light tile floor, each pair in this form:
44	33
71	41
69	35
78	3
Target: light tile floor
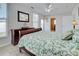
10	50
4	41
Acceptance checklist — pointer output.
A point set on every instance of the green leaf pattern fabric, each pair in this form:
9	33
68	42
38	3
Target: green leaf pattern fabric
50	44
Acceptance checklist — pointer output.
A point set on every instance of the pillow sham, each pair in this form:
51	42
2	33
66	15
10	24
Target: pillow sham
68	35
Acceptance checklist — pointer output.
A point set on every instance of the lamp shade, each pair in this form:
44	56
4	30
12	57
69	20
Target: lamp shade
74	22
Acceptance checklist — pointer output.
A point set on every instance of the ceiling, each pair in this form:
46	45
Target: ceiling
57	8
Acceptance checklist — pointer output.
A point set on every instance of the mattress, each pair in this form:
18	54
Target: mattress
49	44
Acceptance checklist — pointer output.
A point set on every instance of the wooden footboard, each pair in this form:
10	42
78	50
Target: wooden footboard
23	32
24	49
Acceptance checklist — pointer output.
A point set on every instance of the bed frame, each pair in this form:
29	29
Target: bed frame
24	49
21	33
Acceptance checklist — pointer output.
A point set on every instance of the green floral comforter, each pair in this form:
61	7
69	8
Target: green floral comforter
49	44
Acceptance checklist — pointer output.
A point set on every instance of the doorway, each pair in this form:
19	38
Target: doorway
53	24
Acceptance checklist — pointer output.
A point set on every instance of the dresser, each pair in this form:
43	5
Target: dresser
16	34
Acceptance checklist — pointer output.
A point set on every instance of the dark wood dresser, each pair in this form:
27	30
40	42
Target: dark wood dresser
17	33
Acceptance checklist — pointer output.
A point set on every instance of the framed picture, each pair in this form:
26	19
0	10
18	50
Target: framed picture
23	17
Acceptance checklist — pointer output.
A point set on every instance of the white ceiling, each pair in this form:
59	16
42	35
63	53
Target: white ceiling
57	9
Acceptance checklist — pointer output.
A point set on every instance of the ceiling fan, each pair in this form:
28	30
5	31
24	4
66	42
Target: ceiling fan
49	7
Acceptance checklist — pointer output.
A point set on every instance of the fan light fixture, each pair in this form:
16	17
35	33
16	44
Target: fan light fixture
49	8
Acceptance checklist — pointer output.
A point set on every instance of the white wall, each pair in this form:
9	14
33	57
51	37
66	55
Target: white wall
47	24
67	23
58	24
75	14
13	21
75	11
12	16
63	23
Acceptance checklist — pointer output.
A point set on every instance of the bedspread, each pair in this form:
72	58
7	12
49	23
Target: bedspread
49	44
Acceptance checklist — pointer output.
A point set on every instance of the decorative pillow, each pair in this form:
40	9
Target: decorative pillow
68	35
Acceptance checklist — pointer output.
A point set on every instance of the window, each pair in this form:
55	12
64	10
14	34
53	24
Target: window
42	24
35	20
2	20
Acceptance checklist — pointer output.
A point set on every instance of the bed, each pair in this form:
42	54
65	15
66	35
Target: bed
49	44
